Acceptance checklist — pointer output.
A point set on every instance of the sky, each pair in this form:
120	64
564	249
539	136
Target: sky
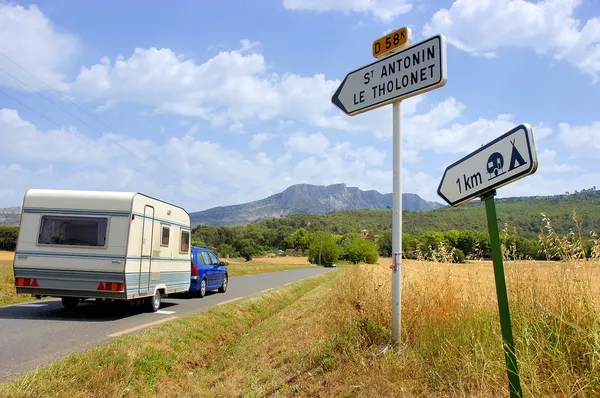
215	103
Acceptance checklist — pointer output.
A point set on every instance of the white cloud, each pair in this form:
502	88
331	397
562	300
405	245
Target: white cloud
259	139
438	130
166	169
550	184
385	10
30	39
548	161
581	140
231	87
316	144
481	27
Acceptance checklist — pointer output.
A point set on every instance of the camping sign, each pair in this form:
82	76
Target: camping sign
506	159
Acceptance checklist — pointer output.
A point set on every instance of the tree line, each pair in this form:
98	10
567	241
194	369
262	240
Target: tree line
8	237
452	245
540	228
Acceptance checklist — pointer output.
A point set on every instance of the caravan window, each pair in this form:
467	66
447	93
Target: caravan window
164	238
73	230
185	242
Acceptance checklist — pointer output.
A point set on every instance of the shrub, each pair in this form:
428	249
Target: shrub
362	250
459	256
327	244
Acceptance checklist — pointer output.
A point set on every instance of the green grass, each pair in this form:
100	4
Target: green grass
253	267
8	295
185	357
323	337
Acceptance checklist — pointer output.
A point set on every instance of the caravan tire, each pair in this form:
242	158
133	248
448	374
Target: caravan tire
69	302
154	301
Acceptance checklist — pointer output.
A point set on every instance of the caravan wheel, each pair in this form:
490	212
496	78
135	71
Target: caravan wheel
154	301
69	302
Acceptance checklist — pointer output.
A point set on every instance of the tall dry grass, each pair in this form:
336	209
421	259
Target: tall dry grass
451	338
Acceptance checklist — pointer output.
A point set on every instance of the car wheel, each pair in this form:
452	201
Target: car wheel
154	301
223	287
69	302
202	291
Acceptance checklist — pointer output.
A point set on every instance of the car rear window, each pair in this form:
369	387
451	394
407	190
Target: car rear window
206	258
73	230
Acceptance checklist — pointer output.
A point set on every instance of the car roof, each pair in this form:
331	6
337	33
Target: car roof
200	248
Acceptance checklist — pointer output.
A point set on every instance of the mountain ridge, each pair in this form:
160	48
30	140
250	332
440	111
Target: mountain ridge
296	199
307	199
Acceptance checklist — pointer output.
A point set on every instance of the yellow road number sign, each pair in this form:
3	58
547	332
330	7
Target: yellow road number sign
387	44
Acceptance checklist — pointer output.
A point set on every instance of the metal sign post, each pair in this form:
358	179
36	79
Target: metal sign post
397	223
509	346
403	72
506	159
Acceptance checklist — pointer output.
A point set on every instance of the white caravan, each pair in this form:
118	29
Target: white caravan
105	245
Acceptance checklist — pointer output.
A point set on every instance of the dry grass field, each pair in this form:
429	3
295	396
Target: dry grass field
323	337
8	295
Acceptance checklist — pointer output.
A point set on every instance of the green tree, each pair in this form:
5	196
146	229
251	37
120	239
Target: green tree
226	250
8	237
299	239
345	242
385	244
362	250
325	244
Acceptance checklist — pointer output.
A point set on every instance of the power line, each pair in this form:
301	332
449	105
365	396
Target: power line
89	114
67	130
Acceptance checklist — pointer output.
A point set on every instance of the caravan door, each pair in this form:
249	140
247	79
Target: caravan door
146	258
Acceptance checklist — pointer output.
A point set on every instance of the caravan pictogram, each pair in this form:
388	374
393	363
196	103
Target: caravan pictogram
495	165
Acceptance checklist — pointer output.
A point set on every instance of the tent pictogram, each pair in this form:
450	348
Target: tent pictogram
515	157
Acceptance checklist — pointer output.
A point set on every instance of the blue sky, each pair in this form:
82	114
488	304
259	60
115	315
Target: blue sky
216	103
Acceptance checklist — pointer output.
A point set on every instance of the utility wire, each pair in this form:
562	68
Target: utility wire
80	136
89	114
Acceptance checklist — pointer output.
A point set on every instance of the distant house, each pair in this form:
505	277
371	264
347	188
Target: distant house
364	233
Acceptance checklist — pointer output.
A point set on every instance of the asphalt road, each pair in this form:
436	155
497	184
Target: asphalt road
35	333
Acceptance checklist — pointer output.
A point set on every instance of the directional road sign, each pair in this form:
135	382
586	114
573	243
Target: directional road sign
506	159
412	71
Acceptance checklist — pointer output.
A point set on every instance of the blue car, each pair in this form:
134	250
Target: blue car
208	272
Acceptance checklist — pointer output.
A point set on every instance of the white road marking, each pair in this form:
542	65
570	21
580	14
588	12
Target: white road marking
133	329
164	312
266	290
32	305
229	301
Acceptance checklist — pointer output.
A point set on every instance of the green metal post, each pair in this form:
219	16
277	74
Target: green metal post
509	345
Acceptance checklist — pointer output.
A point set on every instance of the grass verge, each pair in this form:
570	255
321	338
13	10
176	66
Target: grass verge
323	337
182	358
8	295
259	267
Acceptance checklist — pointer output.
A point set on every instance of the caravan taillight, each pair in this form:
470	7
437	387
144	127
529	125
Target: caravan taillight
27	282
111	286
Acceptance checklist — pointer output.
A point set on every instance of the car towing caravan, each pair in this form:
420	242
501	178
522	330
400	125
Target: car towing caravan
79	245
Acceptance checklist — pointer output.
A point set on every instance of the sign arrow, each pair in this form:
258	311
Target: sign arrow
412	71
508	158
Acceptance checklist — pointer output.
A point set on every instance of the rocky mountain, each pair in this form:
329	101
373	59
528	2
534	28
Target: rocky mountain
307	199
297	199
10	215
